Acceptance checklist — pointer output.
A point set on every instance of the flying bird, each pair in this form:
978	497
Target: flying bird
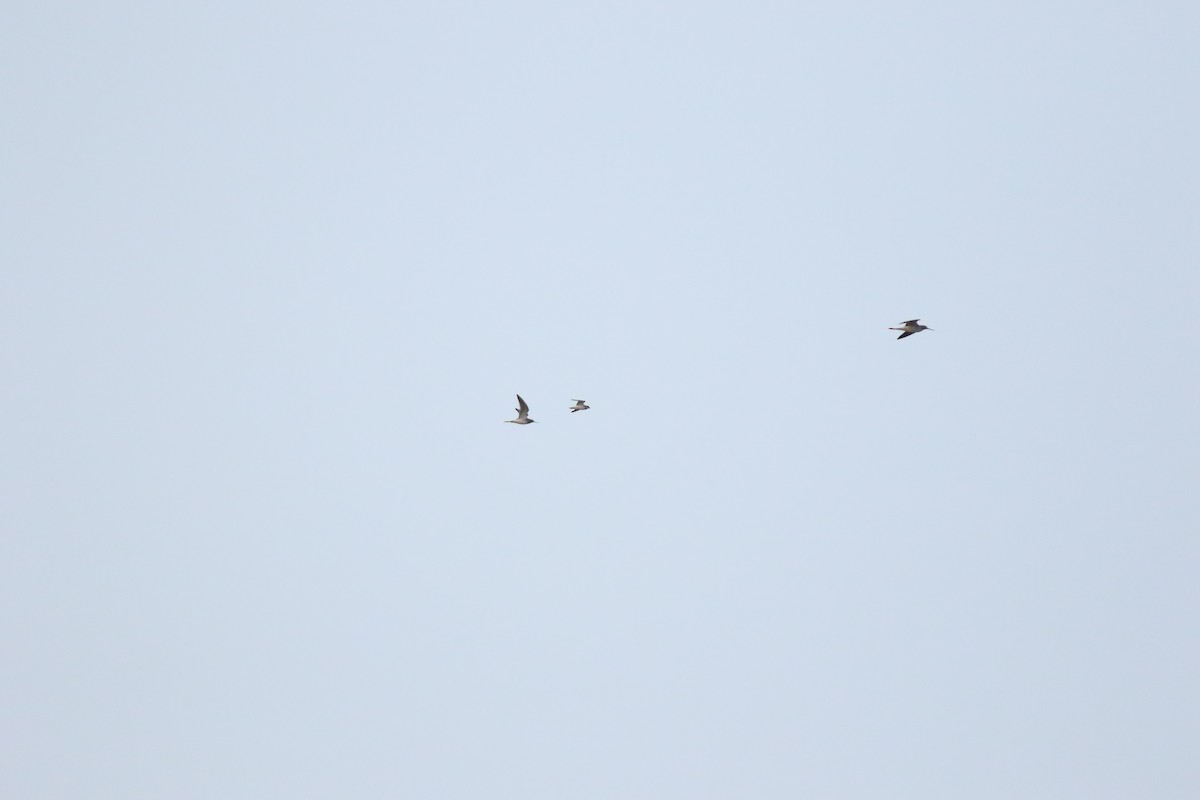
579	406
522	413
910	327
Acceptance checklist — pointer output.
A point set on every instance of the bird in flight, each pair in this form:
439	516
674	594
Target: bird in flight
910	327
579	406
522	413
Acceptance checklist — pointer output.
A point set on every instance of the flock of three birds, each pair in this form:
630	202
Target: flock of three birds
909	327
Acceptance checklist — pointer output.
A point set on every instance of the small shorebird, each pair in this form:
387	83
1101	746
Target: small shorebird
522	413
579	406
910	327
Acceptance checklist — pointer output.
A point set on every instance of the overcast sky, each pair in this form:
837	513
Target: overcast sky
272	273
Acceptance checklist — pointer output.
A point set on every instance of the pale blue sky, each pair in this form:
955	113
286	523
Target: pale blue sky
273	272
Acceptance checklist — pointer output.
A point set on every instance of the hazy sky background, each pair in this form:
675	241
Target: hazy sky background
273	272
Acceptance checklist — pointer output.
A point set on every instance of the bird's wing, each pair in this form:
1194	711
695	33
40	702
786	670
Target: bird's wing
910	322
522	406
581	402
906	333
